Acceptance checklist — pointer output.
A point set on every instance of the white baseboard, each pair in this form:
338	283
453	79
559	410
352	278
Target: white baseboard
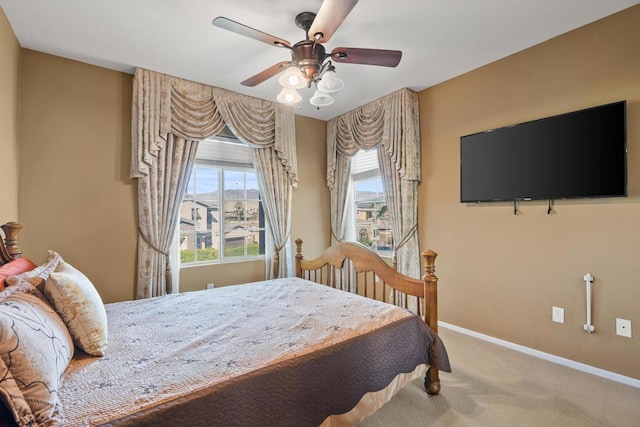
546	356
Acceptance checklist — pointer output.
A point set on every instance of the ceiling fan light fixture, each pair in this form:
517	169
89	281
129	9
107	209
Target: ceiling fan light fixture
310	62
321	99
289	96
292	78
330	82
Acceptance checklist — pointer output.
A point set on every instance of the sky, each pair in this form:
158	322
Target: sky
207	180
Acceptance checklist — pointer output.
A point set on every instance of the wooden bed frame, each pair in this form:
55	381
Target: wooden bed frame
347	266
352	267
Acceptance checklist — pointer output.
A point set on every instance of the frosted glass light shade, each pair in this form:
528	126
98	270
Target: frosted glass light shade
292	78
289	96
330	82
321	99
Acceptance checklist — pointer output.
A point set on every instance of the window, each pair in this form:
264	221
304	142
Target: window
372	222
221	217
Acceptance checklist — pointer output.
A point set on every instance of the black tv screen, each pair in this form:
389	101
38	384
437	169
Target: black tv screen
574	155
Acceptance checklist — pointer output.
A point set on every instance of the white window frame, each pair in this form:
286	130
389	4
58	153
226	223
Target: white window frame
362	173
221	167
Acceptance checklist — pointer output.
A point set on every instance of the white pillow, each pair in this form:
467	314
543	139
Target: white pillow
78	303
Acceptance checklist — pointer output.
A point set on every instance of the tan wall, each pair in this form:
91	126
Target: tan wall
500	274
195	278
75	193
310	210
9	82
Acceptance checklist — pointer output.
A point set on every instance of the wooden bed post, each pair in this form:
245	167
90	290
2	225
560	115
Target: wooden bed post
299	257
276	262
432	379
9	249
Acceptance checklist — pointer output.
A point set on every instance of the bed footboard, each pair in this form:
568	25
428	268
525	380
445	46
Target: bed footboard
352	267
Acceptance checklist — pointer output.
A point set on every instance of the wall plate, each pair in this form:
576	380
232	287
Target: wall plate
557	314
623	327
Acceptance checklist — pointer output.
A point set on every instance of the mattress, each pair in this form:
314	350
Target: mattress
279	352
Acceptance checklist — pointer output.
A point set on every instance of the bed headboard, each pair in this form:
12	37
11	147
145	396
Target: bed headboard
9	248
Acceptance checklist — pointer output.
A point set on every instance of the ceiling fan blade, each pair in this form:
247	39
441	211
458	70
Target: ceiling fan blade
329	18
265	74
252	33
353	55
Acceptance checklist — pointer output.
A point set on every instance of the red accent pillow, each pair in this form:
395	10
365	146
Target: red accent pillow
16	266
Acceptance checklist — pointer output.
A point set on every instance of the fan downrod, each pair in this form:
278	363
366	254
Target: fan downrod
304	21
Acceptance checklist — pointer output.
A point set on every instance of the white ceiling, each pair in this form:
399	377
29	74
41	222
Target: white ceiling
440	39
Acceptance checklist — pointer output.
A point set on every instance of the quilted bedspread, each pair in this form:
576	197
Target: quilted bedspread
278	352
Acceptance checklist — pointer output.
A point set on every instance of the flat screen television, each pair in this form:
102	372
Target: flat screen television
581	154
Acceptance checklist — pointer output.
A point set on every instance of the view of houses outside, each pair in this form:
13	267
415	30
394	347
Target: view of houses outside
373	224
221	215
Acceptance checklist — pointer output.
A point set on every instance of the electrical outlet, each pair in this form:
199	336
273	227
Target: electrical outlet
211	285
557	314
623	327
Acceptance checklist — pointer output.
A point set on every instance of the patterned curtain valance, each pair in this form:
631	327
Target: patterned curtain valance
166	105
391	121
390	125
169	117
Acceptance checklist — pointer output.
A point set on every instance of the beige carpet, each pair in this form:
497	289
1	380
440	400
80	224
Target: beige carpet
495	386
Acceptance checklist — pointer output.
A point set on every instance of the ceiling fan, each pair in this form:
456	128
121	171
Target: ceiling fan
309	55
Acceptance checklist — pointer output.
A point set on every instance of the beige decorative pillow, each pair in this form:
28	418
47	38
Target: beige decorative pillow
78	303
35	348
38	275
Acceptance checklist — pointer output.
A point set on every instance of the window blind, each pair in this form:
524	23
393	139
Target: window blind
364	165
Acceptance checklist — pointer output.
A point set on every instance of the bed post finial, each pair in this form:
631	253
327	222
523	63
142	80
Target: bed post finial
299	257
432	379
11	248
430	263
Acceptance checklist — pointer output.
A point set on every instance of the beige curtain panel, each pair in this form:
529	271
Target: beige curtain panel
169	117
391	125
